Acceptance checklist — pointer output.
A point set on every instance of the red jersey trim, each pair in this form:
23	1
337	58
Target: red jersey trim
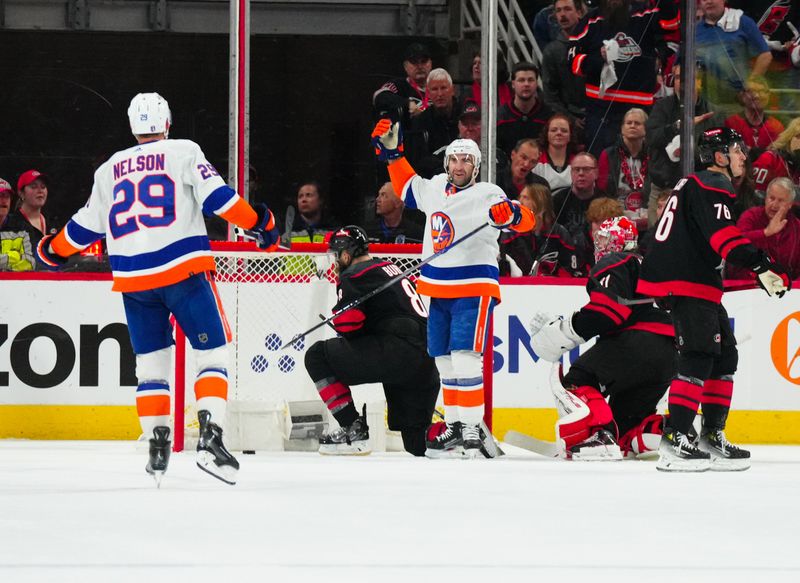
654	328
679	288
727	239
363	271
722	190
603	300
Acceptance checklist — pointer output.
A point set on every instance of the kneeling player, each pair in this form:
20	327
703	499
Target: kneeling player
383	341
631	364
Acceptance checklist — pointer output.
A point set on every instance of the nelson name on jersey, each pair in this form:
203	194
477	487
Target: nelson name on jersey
142	163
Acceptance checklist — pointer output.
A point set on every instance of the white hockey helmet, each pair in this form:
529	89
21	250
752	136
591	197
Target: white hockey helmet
149	113
463	146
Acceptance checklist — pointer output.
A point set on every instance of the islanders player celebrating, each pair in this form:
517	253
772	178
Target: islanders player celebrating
463	283
148	202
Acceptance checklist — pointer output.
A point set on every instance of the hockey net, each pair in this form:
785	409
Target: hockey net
269	298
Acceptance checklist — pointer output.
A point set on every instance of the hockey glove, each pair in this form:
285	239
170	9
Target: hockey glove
265	231
350	321
555	338
504	214
387	137
49	258
538	322
772	278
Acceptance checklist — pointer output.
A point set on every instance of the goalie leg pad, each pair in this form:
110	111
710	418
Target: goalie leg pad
585	412
152	393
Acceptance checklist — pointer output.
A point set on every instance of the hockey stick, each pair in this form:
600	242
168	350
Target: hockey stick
387	285
526	442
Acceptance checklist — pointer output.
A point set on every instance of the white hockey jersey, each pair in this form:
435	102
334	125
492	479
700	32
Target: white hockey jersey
148	202
470	269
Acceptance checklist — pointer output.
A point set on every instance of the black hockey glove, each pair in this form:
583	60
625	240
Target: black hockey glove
49	258
771	277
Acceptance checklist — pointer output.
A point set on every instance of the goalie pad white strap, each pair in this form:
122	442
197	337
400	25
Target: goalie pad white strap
581	410
555	338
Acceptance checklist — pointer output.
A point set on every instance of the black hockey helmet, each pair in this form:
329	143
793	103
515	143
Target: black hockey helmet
352	239
717	139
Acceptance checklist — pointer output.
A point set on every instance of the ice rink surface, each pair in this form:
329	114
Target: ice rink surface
86	511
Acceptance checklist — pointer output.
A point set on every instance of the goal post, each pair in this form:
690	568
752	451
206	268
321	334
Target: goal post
268	298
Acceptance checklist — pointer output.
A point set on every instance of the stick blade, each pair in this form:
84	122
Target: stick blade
526	442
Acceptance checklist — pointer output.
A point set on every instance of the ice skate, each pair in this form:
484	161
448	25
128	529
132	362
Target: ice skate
160	448
444	441
725	457
471	440
212	456
600	446
350	440
678	453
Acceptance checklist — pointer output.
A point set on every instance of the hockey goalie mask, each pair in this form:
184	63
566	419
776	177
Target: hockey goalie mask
614	235
460	148
149	113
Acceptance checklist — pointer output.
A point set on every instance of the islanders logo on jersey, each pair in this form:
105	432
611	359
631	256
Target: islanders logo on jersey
442	231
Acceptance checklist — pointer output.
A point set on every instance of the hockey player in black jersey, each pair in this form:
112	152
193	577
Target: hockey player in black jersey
694	237
631	364
382	341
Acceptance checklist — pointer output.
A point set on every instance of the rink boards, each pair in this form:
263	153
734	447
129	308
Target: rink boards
66	371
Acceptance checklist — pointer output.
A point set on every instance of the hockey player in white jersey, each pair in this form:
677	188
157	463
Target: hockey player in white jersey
462	283
148	201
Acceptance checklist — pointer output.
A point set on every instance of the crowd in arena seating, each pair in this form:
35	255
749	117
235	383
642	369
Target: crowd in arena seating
598	122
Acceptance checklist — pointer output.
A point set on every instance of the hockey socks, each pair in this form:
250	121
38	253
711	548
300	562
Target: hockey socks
716	400
339	400
683	402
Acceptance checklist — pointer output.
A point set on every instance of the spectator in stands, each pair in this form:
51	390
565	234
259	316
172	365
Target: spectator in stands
526	115
32	192
725	41
571	204
545	27
558	148
773	228
504	94
756	128
614	48
524	157
6	196
435	127
781	159
394	223
663	130
311	221
547	250
404	97
622	168
564	93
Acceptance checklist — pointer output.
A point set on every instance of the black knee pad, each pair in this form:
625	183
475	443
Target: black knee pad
414	440
726	363
696	365
317	362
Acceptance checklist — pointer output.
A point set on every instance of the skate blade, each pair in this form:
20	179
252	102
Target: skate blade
610	453
227	474
354	449
681	465
445	454
721	464
472	453
158	475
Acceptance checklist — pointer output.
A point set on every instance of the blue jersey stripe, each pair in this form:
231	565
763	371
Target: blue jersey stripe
463	272
121	263
81	235
410	201
217	199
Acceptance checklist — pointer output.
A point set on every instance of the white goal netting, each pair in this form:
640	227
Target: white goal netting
268	299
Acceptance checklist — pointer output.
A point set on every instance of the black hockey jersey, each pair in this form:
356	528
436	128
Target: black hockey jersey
397	310
695	233
635	67
611	280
